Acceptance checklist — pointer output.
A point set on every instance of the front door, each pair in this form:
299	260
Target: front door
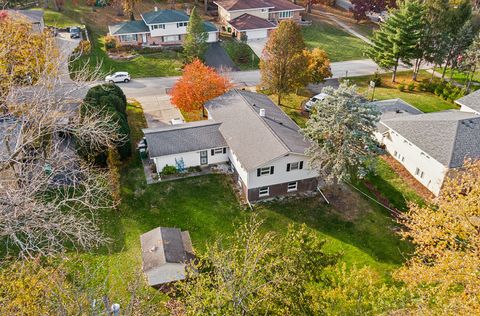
204	157
144	38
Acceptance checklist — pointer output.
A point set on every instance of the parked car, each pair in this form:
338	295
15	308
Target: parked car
313	100
75	32
120	76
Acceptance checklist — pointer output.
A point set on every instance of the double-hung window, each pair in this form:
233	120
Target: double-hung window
264	191
294	166
292	186
265	171
181	24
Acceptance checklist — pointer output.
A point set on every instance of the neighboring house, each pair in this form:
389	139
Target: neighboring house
428	145
260	143
165	254
255	19
470	102
158	28
35	17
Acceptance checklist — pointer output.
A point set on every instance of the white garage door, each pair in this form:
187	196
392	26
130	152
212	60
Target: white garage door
212	37
256	34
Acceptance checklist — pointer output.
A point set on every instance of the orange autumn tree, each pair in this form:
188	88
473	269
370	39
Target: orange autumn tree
198	84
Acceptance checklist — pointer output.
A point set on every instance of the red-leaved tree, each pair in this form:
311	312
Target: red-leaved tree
198	84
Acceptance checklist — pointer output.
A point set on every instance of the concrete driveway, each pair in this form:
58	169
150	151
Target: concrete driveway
257	46
217	57
158	110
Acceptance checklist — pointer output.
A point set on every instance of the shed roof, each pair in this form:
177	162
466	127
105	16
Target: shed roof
165	16
174	139
250	22
448	136
254	139
471	100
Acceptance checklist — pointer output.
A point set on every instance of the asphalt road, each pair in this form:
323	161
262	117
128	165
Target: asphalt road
159	86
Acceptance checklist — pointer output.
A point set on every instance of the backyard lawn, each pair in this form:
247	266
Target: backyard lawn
424	101
208	208
338	44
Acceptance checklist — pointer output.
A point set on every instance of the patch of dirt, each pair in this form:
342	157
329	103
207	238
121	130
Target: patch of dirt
350	205
408	178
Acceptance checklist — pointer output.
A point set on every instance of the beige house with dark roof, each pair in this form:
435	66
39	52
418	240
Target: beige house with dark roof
255	19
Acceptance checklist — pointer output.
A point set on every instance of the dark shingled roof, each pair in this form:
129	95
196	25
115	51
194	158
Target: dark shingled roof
250	22
161	246
255	140
448	136
165	16
232	5
393	108
274	5
471	100
210	27
183	138
130	27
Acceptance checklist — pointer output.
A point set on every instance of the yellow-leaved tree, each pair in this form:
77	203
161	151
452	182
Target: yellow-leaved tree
445	267
24	54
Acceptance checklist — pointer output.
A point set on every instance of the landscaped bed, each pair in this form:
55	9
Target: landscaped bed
241	54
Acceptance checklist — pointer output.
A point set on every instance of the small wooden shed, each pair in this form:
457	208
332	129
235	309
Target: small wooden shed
166	252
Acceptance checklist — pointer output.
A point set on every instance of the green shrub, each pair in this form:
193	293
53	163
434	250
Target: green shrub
428	86
377	79
401	87
110	101
169	170
110	42
411	86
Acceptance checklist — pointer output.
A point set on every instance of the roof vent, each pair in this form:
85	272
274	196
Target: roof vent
156	9
399	111
262	112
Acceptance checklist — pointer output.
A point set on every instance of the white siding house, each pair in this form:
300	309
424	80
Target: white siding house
259	142
428	145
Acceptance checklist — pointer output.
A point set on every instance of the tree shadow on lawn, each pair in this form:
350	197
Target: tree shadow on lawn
372	231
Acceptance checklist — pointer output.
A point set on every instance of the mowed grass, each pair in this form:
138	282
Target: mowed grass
158	64
338	44
424	101
57	19
207	207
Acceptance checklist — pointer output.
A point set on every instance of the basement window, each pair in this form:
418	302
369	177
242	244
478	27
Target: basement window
264	191
292	186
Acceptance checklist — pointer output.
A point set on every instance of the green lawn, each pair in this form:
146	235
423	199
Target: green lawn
338	44
164	63
461	77
241	54
57	19
207	207
424	101
392	186
159	64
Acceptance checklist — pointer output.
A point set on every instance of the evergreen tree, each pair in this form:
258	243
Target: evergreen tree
284	64
341	133
471	60
398	38
195	43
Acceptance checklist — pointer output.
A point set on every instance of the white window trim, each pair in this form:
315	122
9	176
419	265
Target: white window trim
295	188
267	193
297	166
265	171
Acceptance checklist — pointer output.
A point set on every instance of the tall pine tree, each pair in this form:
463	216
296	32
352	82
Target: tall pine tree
195	43
398	38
